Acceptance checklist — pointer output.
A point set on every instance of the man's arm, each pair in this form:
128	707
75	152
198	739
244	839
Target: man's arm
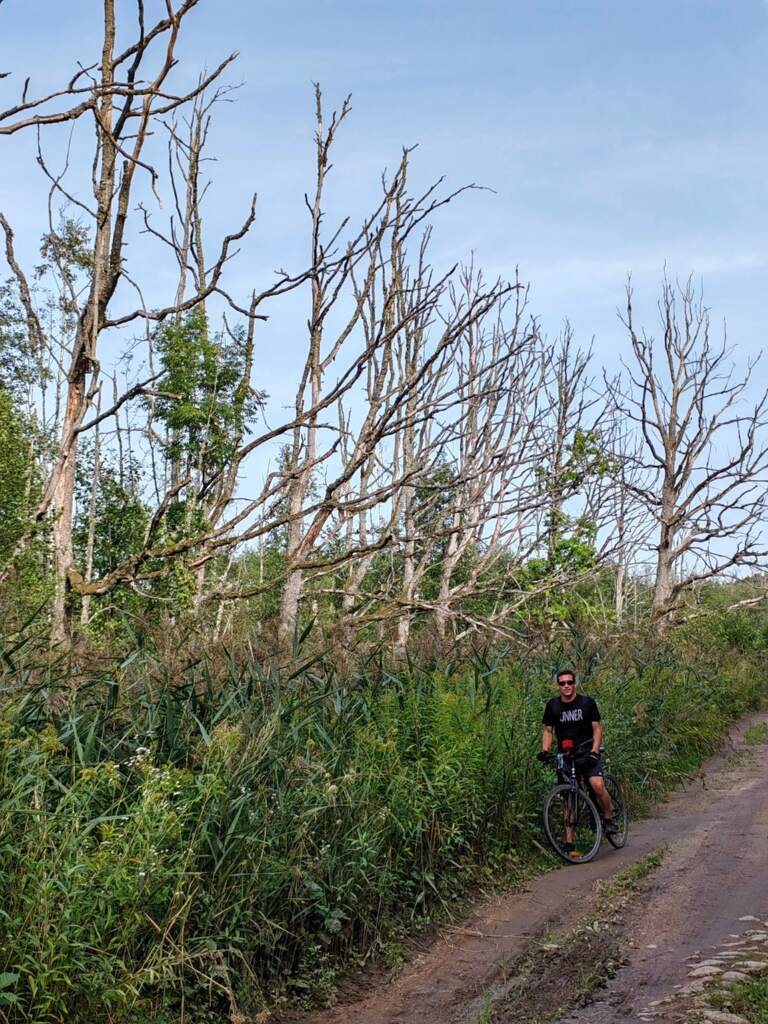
546	738
597	737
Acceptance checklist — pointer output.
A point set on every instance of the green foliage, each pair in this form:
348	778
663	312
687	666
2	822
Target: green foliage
757	734
61	279
747	1000
16	356
571	538
30	585
588	457
121	516
69	247
585	457
255	569
120	521
235	835
207	401
18	475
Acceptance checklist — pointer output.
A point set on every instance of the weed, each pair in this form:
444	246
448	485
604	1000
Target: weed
748	999
757	733
226	836
392	954
486	1013
626	882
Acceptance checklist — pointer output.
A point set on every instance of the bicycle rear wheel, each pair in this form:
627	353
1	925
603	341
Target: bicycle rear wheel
569	811
620	812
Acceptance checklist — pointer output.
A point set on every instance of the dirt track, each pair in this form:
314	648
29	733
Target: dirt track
710	892
716	871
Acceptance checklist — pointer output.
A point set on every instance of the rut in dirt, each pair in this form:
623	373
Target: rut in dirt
715	872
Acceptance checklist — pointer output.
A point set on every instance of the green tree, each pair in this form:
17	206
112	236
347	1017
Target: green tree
120	518
30	584
207	401
18	474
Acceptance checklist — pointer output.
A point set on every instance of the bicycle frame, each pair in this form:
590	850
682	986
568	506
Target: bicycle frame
565	762
568	775
573	785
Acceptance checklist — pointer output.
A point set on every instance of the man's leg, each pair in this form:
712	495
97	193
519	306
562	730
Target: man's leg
567	814
568	820
601	793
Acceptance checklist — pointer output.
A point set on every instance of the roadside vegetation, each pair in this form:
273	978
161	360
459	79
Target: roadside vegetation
743	1000
213	837
747	999
757	734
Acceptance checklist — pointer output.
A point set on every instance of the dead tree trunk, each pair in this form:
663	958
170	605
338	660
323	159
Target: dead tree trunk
85	609
304	444
707	502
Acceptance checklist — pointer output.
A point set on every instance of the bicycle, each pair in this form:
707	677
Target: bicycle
570	814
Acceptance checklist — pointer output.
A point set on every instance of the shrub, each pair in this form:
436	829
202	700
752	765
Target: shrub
230	840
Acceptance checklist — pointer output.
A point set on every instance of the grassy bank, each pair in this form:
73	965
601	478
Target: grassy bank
213	841
748	999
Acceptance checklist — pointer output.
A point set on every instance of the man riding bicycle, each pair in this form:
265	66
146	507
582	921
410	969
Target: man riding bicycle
575	717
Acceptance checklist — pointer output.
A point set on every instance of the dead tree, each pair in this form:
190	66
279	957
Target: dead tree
574	434
355	279
625	519
123	98
364	300
372	271
707	456
415	459
464	457
495	451
210	494
85	610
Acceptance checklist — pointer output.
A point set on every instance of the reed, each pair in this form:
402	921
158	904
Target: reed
196	843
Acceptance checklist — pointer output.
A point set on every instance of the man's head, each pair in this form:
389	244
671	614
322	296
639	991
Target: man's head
566	683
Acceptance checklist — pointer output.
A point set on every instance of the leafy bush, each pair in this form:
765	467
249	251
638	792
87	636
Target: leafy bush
226	841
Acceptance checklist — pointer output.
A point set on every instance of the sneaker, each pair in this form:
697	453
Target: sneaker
571	851
610	827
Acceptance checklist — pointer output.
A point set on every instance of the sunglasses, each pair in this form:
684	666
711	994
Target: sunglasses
566	682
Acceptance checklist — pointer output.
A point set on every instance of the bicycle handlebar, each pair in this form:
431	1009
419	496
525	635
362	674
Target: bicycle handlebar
549	756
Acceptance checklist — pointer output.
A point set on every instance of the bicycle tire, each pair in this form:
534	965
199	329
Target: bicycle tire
620	812
583	817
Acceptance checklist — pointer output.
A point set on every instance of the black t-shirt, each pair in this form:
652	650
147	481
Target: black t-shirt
572	720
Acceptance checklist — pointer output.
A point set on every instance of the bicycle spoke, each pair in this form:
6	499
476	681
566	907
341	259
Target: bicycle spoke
620	813
572	824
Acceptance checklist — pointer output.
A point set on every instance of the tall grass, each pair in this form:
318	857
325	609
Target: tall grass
199	845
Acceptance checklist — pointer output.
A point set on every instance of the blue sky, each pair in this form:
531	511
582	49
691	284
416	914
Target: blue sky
617	135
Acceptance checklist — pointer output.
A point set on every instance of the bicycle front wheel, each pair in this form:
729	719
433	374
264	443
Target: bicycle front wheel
572	824
620	812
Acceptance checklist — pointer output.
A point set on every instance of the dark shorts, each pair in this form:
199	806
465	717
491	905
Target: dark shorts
588	768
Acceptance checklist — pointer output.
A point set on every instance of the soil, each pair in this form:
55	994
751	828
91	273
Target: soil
563	972
708	901
710	890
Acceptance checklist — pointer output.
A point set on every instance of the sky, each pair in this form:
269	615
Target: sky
613	136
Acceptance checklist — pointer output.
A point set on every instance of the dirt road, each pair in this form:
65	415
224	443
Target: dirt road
708	905
714	874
